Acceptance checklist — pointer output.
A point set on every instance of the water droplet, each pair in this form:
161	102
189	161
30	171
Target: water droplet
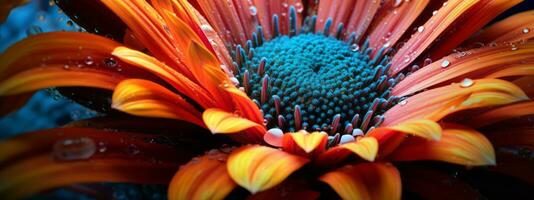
354	47
205	27
110	62
434	13
74	149
387	44
514	47
253	10
467	83
299	7
66	67
70	23
526	30
445	63
403	102
89	60
407	58
102	147
420	29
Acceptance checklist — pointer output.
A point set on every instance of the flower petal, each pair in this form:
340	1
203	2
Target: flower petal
204	177
303	141
471	14
68	156
491	62
509	137
219	121
516	28
439	102
458	145
181	83
145	98
365	181
394	21
364	147
258	168
62	59
502	113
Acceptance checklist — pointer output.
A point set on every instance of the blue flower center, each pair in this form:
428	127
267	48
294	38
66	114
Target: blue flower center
315	82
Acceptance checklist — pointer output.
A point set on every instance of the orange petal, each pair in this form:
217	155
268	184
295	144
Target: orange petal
471	14
204	177
245	105
145	98
395	21
365	181
458	145
258	168
62	59
303	141
518	27
183	84
6	7
362	15
491	62
151	30
525	83
502	113
207	72
364	147
219	121
439	102
337	11
79	155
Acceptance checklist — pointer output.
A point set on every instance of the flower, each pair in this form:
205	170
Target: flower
314	96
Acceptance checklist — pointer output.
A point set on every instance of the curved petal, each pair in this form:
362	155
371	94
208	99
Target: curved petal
471	14
365	181
146	98
502	113
258	168
458	145
63	59
304	143
219	121
439	102
68	156
512	29
181	83
204	177
490	62
364	147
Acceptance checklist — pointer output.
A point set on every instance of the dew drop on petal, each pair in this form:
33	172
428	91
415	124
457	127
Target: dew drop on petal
514	47
74	149
403	102
445	63
253	10
467	83
420	29
133	149
526	30
111	62
89	60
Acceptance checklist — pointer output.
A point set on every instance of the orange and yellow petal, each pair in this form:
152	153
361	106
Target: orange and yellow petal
459	145
364	147
304	143
258	168
204	177
437	103
219	121
488	62
502	113
365	181
145	98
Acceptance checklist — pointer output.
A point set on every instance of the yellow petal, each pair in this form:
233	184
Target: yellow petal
258	168
459	145
365	181
305	141
204	177
219	121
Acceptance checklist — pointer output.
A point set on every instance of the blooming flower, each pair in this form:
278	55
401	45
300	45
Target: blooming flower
307	96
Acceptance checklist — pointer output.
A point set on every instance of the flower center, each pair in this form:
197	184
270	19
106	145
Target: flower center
315	82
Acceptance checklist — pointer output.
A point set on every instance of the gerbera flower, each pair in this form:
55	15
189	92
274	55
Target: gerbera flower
303	97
